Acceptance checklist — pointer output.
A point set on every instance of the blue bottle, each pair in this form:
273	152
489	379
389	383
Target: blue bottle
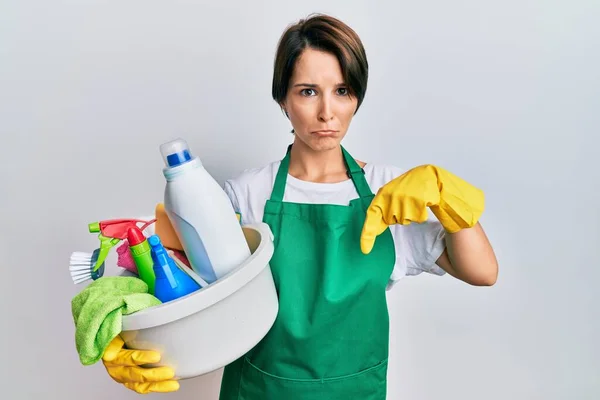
171	282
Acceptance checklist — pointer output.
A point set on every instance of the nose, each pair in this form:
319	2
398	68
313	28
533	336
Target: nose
325	109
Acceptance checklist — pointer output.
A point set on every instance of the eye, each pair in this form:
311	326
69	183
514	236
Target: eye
342	91
307	92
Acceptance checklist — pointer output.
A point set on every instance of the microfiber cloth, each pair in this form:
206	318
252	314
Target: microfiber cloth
98	310
125	260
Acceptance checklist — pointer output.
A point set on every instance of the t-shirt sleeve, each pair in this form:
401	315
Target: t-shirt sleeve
426	242
418	246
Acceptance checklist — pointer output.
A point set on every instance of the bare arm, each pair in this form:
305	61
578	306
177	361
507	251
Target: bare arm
469	257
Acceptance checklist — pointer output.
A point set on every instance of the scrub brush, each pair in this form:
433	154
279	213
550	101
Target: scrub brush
82	266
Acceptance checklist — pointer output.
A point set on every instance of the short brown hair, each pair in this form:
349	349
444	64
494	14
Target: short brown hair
324	33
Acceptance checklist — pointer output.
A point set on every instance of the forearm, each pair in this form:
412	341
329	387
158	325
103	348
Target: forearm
470	257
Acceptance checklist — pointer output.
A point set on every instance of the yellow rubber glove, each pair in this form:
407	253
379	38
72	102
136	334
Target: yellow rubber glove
126	367
456	203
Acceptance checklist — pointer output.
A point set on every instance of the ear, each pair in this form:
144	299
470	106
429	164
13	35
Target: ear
284	109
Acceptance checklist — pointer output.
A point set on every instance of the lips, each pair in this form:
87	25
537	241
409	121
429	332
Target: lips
325	132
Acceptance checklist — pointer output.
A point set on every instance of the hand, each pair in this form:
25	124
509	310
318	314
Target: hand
126	367
455	203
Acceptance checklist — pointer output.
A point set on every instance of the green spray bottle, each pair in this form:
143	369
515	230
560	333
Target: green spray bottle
141	252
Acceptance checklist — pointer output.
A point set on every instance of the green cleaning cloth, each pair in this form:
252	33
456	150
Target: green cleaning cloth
98	310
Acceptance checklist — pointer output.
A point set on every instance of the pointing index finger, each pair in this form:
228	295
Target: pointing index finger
373	226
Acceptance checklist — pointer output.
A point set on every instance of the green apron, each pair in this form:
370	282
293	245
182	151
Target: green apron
330	338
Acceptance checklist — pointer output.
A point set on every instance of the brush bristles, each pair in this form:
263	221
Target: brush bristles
78	254
77	281
81	266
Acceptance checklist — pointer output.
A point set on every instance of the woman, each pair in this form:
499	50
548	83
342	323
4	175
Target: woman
337	246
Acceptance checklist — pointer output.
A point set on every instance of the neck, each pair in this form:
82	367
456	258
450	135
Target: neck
326	166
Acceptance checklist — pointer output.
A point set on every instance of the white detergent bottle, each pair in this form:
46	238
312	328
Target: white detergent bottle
201	214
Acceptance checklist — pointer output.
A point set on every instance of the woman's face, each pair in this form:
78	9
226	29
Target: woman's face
318	101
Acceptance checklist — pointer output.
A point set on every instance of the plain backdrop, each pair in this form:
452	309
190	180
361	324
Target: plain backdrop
504	94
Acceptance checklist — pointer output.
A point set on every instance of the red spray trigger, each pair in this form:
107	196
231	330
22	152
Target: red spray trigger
116	228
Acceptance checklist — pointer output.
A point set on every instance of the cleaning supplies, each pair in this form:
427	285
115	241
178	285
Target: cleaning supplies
111	232
142	256
124	259
82	266
164	229
98	309
201	214
116	228
178	260
171	282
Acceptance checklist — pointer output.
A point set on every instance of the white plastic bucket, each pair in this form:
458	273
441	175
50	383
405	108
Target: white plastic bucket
210	328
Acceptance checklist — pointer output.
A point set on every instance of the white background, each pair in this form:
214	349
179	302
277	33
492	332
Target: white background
504	94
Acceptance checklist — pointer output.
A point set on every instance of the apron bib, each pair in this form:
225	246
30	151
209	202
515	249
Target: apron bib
330	339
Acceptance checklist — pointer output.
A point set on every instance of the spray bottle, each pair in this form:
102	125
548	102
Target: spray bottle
171	282
142	256
111	232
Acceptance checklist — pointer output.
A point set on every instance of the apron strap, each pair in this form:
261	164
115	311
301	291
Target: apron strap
281	178
355	172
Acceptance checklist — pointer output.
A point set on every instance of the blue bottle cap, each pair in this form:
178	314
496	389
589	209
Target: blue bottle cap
175	152
154	240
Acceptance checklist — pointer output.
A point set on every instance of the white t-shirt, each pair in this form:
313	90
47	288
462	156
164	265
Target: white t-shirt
418	246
